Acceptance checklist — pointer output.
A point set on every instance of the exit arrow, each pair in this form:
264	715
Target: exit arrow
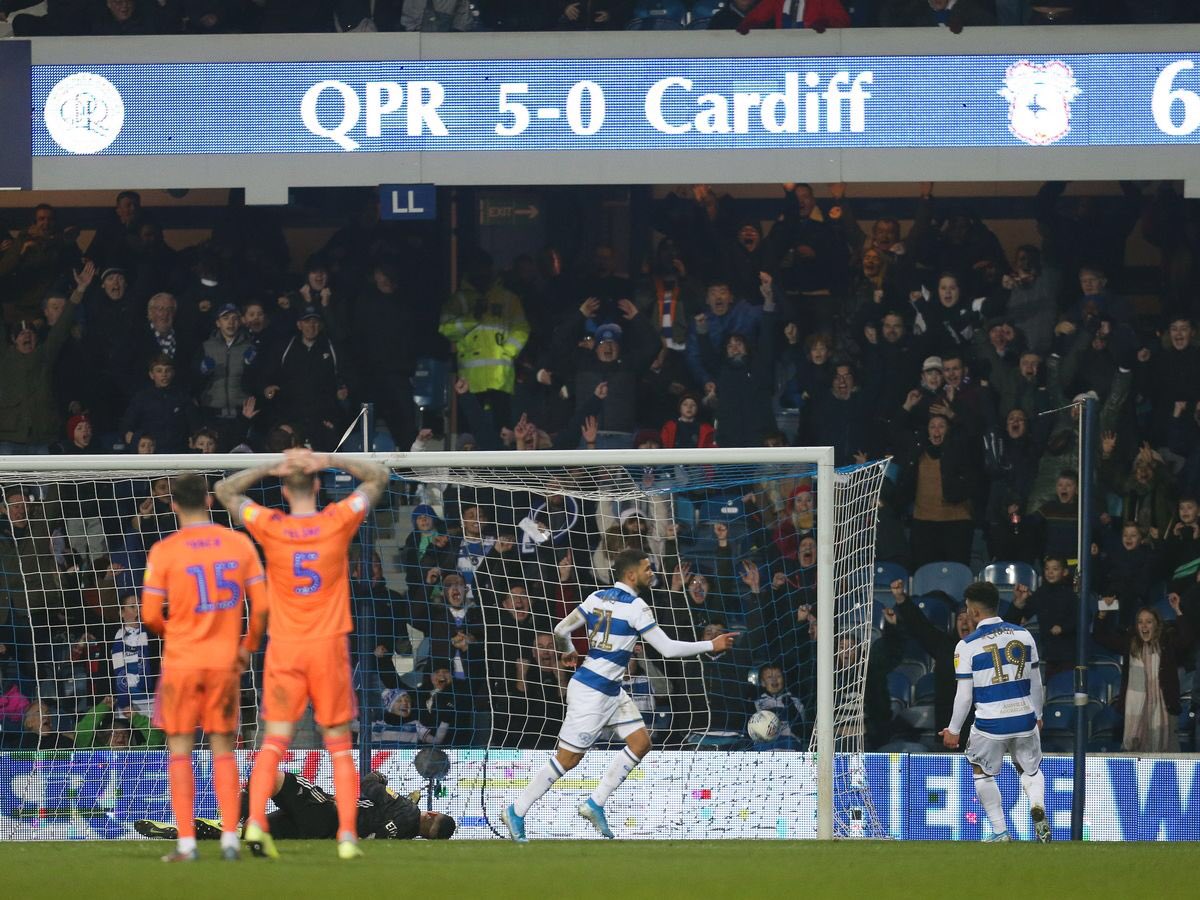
531	212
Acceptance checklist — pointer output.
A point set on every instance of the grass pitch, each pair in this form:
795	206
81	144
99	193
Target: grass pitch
611	869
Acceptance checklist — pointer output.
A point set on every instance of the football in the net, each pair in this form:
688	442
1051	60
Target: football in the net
763	726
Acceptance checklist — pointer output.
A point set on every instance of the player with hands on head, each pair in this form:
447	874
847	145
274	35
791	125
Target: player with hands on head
997	668
202	572
308	591
616	618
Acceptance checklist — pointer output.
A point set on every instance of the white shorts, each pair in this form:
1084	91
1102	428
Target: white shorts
987	752
589	712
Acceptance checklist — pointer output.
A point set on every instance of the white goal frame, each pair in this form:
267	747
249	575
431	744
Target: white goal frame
820	457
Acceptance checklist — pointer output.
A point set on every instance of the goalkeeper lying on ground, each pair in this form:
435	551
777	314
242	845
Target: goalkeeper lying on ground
306	811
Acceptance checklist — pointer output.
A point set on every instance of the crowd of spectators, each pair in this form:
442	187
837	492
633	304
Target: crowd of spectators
961	359
142	17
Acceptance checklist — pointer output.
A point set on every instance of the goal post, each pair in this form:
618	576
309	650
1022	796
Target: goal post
845	511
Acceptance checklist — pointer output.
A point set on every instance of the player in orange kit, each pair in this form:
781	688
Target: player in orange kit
308	591
202	572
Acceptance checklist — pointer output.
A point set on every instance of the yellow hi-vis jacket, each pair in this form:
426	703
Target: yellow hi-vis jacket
488	330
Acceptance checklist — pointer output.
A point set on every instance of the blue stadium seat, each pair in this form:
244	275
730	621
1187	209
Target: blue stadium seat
1163	607
950	577
1061	686
1186	727
1005	575
922	718
1104	680
912	670
702	13
885	573
899	687
1059	715
429	381
925	689
658	15
936	611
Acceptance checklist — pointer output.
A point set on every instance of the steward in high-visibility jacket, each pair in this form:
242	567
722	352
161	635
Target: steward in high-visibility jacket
488	330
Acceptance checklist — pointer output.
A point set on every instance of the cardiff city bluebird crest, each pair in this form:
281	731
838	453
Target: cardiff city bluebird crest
1039	100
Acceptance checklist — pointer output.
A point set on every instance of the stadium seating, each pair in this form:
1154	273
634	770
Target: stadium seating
912	669
1104	680
701	13
1060	687
899	687
659	15
923	691
950	577
885	574
937	611
1006	575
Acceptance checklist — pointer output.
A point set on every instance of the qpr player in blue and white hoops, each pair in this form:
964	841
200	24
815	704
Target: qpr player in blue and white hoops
616	618
997	668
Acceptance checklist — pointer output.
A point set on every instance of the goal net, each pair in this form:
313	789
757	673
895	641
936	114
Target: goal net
457	581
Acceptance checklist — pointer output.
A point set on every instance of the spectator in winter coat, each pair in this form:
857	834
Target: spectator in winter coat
614	355
1126	571
33	263
29	418
815	14
938	478
1168	375
1032	298
161	410
724	317
939	645
305	384
1010	461
221	372
745	382
386	331
111	319
686	430
1055	605
840	417
1152	654
952	14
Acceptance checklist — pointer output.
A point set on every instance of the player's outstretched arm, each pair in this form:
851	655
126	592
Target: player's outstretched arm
672	649
564	629
231	491
963	700
372	476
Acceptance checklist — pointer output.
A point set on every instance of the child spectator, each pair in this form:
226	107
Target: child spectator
162	410
776	698
1054	605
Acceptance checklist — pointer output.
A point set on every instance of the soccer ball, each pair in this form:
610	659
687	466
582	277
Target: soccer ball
763	726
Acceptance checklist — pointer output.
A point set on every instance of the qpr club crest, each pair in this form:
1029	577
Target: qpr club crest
84	113
1039	100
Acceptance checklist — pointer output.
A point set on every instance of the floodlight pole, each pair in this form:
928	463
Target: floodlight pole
826	620
1087	456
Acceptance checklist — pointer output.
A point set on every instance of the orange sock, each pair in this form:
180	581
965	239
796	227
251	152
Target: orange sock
183	793
262	779
345	783
225	785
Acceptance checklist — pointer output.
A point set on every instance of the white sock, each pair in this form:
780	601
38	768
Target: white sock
538	785
186	845
229	839
348	836
618	770
988	793
1035	788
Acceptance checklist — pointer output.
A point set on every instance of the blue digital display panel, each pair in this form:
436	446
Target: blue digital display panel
929	797
616	104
